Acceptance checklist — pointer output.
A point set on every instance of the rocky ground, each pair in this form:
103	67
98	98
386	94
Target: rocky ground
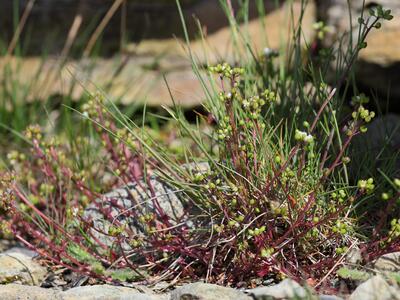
23	276
139	76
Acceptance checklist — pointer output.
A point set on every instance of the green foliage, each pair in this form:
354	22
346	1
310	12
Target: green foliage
379	12
353	274
276	197
80	254
395	277
124	275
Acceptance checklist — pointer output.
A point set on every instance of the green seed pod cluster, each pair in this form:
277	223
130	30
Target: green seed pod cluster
394	232
226	71
339	196
33	132
91	108
304	137
363	114
267	252
367	185
341	228
341	250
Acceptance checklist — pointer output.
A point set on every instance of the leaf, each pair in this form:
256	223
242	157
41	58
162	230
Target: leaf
352	274
124	275
97	268
78	253
395	277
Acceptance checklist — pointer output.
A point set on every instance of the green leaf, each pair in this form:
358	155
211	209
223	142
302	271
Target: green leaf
394	276
352	274
80	254
372	12
97	268
124	275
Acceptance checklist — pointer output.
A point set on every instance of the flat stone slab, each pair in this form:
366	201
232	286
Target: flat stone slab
205	291
388	262
23	292
374	289
106	292
94	292
20	268
140	76
287	289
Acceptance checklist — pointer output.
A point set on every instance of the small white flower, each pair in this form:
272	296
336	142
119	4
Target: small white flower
268	52
75	211
308	138
300	135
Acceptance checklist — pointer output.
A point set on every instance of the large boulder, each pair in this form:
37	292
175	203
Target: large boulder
287	289
141	20
388	262
25	292
380	144
20	267
94	292
378	66
205	291
138	76
376	288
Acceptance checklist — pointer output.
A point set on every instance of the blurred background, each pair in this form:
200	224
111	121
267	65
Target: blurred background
54	51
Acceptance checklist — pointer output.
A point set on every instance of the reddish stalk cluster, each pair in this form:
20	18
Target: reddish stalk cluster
258	216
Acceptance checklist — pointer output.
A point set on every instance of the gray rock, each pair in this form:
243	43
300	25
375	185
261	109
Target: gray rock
378	65
286	289
107	292
20	268
205	291
376	288
388	262
354	256
329	297
384	130
155	19
380	142
25	292
136	197
95	292
6	244
22	250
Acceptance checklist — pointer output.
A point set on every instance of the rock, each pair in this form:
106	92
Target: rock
354	256
275	34
149	20
94	292
383	133
107	292
22	250
379	64
220	46
20	268
137	196
154	19
138	76
329	297
286	289
205	291
384	130
6	244
130	80
389	262
24	292
376	288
